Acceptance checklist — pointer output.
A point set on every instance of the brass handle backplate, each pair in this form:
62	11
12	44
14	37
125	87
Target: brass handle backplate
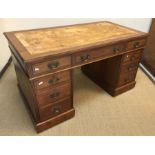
53	65
56	110
133	57
85	57
53	80
132	66
136	45
54	94
116	50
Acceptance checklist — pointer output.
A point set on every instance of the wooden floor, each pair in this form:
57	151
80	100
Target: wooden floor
97	113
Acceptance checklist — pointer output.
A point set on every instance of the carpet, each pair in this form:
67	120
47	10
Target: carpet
97	113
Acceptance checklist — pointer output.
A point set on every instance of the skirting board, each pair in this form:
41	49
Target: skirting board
5	67
151	77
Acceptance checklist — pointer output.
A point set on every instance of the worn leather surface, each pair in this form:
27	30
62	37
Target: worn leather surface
54	39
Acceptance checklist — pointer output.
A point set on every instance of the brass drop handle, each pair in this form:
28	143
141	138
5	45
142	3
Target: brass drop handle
53	65
132	58
85	57
131	67
56	110
54	94
53	80
116	50
136	45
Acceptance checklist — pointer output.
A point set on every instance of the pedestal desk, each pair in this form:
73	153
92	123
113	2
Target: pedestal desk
109	54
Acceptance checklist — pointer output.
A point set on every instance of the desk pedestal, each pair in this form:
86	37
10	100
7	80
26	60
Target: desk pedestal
112	74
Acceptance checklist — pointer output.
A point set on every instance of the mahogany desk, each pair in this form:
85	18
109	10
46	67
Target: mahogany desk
44	59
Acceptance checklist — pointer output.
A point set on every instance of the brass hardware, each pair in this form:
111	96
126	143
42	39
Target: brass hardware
131	66
53	65
116	50
136	45
56	110
54	94
85	57
53	80
132	58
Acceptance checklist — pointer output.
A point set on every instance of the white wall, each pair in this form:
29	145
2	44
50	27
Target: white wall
20	24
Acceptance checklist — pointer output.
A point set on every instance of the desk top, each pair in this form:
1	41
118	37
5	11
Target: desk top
59	40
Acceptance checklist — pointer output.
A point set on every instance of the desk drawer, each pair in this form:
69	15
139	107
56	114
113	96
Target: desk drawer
49	95
52	80
51	65
136	44
84	57
132	57
129	67
127	77
55	109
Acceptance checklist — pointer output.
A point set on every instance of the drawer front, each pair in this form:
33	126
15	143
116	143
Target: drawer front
50	95
136	44
52	80
91	55
51	65
55	109
132	57
129	67
127	77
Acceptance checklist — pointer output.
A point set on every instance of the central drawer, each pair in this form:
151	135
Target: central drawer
90	55
50	95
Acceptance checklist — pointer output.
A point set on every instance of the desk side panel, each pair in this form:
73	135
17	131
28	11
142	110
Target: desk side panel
26	89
